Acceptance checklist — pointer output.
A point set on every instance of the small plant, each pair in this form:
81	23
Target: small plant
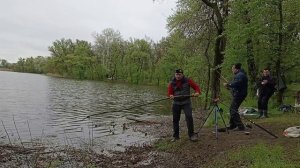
167	145
55	163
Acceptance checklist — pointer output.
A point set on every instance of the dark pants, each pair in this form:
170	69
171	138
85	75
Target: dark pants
187	108
235	120
263	100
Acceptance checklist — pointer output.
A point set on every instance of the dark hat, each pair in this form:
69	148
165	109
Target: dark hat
179	71
238	66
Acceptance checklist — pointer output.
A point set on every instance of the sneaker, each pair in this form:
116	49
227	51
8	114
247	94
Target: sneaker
239	129
231	127
174	139
194	138
260	116
222	129
248	125
226	128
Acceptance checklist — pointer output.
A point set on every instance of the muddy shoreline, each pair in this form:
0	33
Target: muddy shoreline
206	152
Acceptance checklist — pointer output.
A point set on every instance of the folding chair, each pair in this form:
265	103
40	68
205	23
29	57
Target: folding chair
297	102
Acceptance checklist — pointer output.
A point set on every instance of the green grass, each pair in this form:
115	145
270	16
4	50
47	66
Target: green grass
263	156
283	118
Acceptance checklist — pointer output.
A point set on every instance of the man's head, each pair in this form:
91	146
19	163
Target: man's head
266	72
178	74
236	68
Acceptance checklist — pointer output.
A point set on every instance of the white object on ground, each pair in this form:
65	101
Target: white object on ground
292	132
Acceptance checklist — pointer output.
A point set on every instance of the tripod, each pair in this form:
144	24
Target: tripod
217	110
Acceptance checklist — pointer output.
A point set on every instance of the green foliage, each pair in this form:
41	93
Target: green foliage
4	63
31	65
71	59
259	21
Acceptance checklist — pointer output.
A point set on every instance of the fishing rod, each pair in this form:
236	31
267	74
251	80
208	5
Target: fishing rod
221	76
143	104
259	126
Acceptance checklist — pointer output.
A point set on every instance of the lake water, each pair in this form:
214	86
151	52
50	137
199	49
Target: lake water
55	110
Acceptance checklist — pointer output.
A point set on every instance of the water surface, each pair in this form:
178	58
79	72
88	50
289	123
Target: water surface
55	110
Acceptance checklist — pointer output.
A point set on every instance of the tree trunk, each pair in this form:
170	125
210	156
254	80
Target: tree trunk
208	74
218	60
252	70
279	52
220	12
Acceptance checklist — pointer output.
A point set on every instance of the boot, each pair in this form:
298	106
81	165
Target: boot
194	138
174	139
265	114
261	114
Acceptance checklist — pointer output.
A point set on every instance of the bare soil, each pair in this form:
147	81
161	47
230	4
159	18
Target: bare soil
206	152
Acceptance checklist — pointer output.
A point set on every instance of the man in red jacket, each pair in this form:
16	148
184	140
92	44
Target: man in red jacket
179	92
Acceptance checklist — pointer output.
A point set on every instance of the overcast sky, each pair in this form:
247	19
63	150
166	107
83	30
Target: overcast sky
28	27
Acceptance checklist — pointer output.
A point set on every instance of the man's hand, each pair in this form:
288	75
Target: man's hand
171	97
216	100
264	82
227	86
195	94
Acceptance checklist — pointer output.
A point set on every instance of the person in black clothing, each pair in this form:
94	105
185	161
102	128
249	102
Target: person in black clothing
266	88
238	87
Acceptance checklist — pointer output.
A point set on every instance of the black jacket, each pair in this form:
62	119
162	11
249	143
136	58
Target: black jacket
239	85
268	88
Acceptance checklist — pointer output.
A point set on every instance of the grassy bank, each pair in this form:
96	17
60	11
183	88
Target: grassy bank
282	152
259	150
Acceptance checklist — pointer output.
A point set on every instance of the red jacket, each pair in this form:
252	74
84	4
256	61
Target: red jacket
179	84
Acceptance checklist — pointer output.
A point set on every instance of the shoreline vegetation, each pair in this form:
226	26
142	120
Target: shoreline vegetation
6	69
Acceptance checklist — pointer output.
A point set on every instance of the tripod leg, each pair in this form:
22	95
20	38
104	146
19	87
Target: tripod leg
205	120
224	122
216	121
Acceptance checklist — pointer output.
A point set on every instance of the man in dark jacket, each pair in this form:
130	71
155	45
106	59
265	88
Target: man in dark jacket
266	88
179	92
238	87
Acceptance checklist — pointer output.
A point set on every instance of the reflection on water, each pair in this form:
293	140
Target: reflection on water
42	107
